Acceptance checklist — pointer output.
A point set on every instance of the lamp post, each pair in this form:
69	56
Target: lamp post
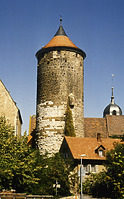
81	197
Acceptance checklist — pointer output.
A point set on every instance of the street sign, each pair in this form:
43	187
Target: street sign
56	186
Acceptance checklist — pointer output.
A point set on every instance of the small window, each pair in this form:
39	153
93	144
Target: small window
71	100
93	168
87	168
114	112
65	155
90	168
101	153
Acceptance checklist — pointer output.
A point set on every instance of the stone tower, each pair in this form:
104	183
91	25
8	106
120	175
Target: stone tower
60	76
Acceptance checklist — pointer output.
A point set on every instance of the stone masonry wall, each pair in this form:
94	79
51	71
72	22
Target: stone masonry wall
60	73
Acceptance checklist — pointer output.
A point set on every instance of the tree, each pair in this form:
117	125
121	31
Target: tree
69	127
55	168
19	164
115	170
22	168
109	183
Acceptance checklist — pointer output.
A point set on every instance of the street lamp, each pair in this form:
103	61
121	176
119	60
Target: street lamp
81	197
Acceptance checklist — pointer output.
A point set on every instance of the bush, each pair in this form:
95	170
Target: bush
69	127
25	170
109	183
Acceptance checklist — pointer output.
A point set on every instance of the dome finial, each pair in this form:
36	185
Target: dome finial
112	79
112	108
60	31
60	20
112	96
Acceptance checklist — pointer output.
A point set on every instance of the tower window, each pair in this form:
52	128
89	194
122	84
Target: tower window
114	112
71	100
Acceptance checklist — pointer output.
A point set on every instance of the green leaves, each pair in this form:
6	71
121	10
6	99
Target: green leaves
109	183
17	161
25	170
115	169
54	168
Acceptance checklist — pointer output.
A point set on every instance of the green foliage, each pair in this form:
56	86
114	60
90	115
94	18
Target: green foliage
115	169
109	183
25	170
19	164
69	127
55	168
118	137
97	185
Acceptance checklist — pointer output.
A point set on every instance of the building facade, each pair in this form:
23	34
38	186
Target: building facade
9	110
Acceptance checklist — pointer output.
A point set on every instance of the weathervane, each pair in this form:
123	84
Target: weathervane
112	79
112	97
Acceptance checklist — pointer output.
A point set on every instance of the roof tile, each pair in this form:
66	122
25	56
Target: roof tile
79	146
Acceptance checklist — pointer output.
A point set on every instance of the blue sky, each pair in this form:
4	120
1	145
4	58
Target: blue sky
95	26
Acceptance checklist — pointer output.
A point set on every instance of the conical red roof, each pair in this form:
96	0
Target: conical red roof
60	40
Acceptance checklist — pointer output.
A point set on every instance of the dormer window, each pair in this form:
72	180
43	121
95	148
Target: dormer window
101	154
100	150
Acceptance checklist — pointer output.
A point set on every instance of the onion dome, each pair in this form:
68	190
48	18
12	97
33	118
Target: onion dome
60	41
112	108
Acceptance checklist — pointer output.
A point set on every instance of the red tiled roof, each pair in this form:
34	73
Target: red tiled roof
92	126
79	146
60	41
115	124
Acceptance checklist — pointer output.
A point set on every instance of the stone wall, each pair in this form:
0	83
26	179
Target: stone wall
60	73
9	109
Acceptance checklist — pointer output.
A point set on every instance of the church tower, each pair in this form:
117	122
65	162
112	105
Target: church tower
60	79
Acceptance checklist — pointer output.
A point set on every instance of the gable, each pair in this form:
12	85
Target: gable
65	150
100	147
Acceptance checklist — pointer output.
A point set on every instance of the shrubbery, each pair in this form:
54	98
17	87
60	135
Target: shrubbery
25	170
109	183
69	127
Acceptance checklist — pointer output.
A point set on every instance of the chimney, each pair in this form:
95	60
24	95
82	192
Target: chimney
99	137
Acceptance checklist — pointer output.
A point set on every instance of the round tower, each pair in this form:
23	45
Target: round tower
60	77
